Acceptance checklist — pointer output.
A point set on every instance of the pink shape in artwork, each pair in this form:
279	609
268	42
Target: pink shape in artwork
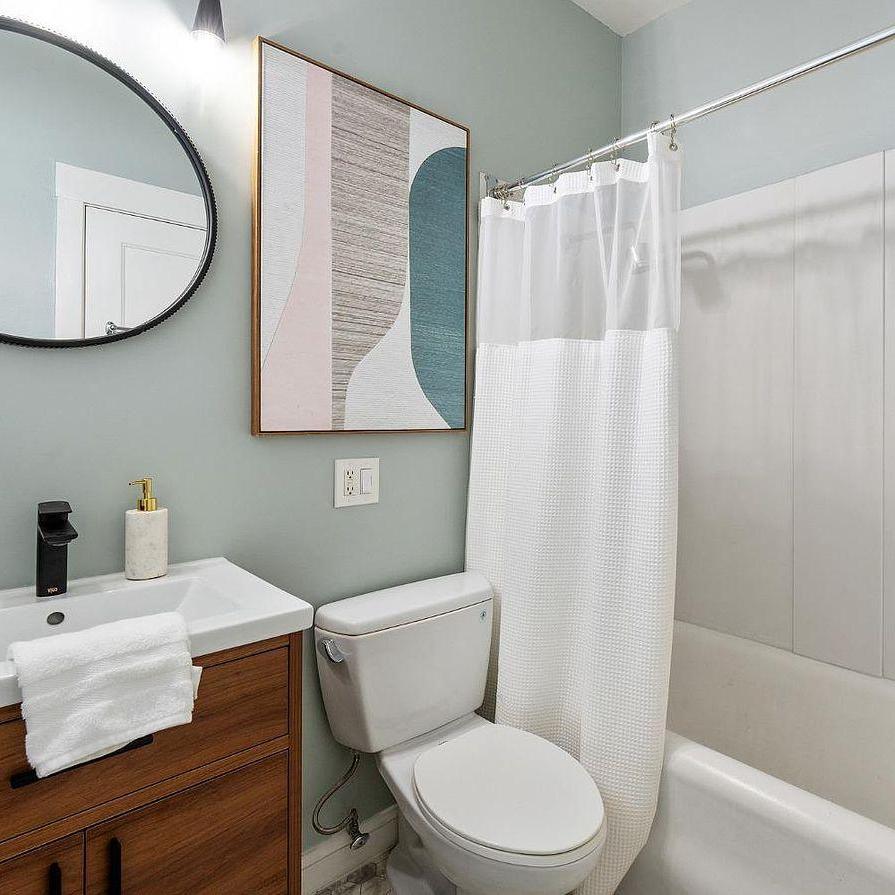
297	373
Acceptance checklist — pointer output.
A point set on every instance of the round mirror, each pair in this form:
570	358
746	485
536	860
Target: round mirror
106	213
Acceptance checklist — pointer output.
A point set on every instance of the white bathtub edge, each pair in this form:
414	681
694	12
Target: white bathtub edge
722	826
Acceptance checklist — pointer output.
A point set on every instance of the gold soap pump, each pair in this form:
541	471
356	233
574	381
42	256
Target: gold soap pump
146	503
145	536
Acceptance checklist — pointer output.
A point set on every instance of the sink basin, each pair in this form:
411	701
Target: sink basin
224	606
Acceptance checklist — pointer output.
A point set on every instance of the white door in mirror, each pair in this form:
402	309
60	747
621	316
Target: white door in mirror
134	267
356	482
125	250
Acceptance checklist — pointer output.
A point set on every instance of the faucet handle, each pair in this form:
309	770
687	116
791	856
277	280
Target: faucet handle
53	524
49	508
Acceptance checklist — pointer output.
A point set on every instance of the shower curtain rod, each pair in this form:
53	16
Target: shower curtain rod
504	190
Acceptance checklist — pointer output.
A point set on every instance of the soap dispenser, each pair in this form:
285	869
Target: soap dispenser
145	537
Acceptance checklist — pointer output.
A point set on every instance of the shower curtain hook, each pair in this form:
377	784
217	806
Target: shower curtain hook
555	179
615	160
673	143
590	164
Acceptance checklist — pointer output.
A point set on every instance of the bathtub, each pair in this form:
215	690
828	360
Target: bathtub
724	828
805	807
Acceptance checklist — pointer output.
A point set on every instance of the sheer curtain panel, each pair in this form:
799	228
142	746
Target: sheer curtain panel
573	481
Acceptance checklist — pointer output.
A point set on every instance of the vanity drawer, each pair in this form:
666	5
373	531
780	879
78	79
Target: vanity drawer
242	702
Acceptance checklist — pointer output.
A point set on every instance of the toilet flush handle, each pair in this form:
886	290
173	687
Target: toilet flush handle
333	653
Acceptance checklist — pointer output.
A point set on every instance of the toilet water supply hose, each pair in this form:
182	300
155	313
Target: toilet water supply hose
350	822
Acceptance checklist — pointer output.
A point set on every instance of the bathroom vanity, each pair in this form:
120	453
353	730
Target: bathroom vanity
211	806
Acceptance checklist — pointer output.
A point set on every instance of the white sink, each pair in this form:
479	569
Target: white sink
224	606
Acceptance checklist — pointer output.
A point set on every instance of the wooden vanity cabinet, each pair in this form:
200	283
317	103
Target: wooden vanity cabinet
55	869
228	836
210	807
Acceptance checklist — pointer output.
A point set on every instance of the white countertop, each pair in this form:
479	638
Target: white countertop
224	606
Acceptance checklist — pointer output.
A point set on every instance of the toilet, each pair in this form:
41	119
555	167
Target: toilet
484	809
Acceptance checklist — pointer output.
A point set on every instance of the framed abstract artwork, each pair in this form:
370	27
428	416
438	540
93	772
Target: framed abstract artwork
360	256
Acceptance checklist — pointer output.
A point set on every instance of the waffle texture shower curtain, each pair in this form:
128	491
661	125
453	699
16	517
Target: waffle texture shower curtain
573	481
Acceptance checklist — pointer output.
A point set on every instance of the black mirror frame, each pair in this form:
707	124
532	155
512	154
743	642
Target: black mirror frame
65	43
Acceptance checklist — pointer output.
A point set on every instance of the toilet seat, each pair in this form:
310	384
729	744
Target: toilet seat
509	794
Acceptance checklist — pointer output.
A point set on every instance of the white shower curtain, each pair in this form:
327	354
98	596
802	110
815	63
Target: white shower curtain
573	481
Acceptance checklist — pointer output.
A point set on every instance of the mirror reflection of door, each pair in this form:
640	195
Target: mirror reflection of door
135	267
125	250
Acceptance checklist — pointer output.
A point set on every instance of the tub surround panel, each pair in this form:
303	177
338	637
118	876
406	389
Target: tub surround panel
889	414
735	528
677	62
782	415
826	729
838	433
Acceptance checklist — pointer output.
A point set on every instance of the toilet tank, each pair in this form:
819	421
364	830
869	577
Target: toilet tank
403	661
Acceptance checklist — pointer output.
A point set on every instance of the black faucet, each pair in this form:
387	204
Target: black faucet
54	532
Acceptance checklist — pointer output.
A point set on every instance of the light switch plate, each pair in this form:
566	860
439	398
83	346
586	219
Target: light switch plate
356	482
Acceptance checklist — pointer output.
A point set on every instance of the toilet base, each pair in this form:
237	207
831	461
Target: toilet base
410	870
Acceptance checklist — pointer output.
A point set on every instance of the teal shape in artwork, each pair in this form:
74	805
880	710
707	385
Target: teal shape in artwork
438	282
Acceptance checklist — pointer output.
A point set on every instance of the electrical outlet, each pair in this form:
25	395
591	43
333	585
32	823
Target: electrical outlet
356	482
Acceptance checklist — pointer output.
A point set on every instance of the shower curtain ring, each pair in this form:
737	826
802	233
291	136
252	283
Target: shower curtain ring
502	194
673	143
614	156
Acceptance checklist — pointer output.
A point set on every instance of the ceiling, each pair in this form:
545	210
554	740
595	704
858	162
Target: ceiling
625	16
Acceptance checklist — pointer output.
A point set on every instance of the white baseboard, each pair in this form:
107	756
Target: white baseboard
333	859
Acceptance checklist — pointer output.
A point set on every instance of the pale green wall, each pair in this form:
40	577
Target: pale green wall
536	80
711	47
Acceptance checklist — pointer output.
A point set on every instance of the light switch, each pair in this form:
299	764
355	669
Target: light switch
356	482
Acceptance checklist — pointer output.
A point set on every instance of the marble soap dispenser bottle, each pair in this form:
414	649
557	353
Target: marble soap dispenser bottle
145	537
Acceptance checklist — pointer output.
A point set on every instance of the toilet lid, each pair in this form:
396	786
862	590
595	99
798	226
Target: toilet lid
509	790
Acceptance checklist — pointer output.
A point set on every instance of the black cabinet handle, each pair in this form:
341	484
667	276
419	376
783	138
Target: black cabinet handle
114	866
26	778
55	879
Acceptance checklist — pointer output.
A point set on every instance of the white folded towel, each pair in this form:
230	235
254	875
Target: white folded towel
88	693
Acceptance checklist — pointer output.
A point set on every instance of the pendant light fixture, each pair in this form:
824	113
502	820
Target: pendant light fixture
209	22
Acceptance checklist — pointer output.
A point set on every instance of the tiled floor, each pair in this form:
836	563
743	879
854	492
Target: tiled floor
371	887
368	880
374	887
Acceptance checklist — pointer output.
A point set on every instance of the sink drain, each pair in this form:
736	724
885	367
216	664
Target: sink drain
55	618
